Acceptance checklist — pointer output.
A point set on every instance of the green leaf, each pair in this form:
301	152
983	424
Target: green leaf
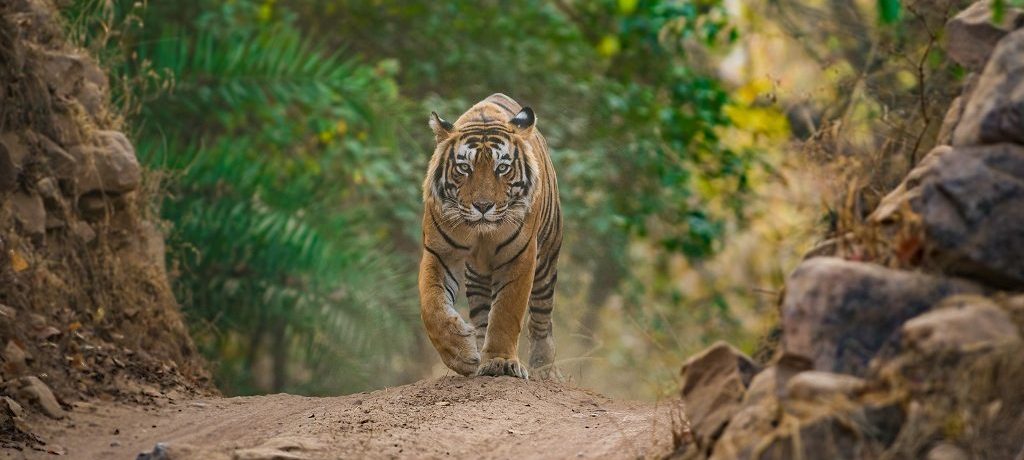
889	11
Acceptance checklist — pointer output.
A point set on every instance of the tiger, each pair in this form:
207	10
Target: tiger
492	223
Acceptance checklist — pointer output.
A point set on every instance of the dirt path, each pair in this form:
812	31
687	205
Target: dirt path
450	417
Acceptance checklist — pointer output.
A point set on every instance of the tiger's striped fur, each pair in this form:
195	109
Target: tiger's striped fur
493	224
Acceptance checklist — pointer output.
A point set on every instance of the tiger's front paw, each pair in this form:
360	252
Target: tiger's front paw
457	348
497	367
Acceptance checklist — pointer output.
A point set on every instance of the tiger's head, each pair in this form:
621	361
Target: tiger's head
483	172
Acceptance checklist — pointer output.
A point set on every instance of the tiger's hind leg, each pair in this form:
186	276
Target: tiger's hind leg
478	293
542	339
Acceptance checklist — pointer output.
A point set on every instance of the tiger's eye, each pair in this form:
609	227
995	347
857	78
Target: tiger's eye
502	169
464	168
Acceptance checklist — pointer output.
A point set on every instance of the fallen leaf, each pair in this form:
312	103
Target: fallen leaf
18	262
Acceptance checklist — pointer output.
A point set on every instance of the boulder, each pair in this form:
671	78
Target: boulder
714	382
992	114
972	34
817	385
107	165
839	314
961	323
969	205
29	211
35	391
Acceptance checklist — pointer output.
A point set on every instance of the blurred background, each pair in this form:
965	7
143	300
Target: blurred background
702	146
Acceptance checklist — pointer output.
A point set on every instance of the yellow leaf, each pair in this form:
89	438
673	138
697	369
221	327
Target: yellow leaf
609	46
100	313
341	127
627	6
18	262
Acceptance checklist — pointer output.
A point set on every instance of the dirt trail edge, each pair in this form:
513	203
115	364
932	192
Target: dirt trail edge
449	417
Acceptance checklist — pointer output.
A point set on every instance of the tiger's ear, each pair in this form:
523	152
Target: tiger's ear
524	121
442	128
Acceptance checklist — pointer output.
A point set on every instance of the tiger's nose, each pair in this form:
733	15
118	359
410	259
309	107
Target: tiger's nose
483	206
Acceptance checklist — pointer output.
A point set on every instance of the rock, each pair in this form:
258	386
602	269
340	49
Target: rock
16	147
971	35
47	188
962	323
822	437
969	205
108	165
714	382
11	407
757	417
35	391
949	121
814	385
946	451
15	360
7	313
179	451
62	164
83	231
28	209
747	428
992	114
8	171
839	314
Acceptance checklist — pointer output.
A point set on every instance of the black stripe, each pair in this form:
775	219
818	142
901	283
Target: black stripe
451	242
540	310
499	267
441	261
483	325
494	295
510	112
477	294
477	309
510	239
547	287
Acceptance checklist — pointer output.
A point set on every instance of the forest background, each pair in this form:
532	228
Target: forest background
703	147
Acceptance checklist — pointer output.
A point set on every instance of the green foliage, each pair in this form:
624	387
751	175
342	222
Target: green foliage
273	146
295	167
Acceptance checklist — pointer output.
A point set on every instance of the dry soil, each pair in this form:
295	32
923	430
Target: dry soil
449	417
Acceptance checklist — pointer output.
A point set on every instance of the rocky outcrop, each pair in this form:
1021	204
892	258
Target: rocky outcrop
915	354
839	314
86	309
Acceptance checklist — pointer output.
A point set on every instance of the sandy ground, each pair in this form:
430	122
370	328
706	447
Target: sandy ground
450	417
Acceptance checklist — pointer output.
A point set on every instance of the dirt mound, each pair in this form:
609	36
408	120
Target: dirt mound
86	310
452	417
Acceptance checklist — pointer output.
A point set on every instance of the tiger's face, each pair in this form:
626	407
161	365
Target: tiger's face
484	175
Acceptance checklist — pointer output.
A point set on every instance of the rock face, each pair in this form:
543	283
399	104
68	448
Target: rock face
969	202
840	314
992	114
972	34
914	354
87	301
